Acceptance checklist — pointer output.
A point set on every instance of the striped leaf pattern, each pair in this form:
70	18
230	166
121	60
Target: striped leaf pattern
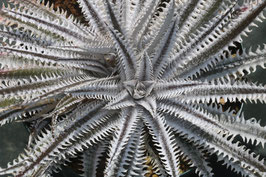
135	86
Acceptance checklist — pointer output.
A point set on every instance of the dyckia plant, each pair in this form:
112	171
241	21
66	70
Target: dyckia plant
138	80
